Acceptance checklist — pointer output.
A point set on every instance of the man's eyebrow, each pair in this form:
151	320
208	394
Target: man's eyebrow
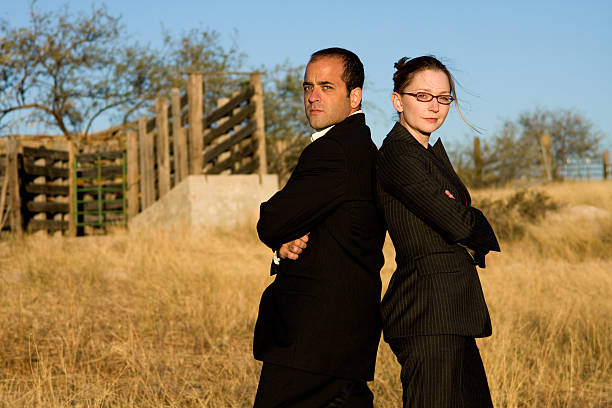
319	83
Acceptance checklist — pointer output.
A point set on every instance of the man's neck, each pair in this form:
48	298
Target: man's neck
322	132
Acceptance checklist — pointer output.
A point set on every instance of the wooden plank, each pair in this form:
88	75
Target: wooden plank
33	153
72	221
226	126
45	171
179	139
147	174
14	204
162	146
228	162
250	167
106	187
132	174
47	225
106	171
85	158
195	106
47	207
222	156
106	206
260	133
229	106
243	133
48	189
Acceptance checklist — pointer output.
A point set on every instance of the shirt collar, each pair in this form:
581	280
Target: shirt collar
322	133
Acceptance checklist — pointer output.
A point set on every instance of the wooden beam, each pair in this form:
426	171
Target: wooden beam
147	175
225	127
45	171
48	225
85	158
162	145
72	221
195	92
179	139
47	189
47	207
34	153
244	132
228	107
132	174
12	167
260	133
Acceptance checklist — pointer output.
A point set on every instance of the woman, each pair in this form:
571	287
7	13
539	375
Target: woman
434	306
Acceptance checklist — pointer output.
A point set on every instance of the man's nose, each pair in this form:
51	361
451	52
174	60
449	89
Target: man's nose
314	96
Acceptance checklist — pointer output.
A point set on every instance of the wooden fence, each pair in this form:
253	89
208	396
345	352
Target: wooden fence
55	191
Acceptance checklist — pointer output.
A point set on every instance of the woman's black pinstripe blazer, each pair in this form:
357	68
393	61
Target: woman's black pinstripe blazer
435	289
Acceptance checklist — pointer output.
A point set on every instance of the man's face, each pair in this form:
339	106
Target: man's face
326	100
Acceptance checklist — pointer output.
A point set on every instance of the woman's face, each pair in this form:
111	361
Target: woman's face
423	118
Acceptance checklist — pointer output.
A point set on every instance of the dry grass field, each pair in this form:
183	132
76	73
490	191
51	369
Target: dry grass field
165	319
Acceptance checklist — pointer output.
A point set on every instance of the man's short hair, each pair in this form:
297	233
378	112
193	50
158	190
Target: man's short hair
353	75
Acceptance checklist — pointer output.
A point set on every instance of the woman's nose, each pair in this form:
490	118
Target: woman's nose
434	106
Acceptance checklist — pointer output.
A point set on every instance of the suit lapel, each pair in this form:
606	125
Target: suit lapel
439	152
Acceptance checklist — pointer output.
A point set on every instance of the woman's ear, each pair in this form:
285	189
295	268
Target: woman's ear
396	100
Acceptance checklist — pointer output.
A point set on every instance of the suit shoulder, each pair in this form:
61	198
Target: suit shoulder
395	148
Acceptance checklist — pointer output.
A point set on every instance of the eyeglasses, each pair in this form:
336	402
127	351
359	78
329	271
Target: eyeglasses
426	97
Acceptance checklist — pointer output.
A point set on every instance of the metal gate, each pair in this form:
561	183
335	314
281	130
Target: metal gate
100	185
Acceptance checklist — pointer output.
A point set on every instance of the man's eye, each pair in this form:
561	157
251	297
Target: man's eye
307	88
326	87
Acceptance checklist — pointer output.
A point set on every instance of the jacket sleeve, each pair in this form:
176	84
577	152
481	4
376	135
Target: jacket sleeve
315	188
402	172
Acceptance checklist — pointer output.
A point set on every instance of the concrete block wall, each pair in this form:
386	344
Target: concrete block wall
210	201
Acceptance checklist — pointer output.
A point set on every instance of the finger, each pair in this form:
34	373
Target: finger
304	238
295	249
283	252
300	244
448	193
292	256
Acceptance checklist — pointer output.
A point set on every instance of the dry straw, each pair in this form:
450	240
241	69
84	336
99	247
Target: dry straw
165	318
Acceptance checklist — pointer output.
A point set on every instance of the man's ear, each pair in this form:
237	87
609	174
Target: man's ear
396	100
355	97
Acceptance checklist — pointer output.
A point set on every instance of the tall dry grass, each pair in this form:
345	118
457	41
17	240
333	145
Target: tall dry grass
166	318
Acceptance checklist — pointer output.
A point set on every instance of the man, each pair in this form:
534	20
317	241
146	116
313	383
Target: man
319	322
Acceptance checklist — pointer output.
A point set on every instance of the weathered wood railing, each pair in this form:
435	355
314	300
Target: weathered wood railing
160	151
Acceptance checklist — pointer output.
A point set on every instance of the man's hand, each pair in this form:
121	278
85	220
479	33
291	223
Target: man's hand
293	249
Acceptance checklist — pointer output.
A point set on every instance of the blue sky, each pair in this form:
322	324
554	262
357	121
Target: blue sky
508	57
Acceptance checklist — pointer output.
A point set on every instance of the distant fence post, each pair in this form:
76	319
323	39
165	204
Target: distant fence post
179	139
72	213
195	114
546	155
147	175
163	146
132	174
477	160
260	133
606	164
12	173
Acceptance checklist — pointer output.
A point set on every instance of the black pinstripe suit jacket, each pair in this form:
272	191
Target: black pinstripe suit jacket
435	289
322	312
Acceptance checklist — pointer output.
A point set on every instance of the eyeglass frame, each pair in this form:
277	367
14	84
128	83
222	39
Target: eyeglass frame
432	97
